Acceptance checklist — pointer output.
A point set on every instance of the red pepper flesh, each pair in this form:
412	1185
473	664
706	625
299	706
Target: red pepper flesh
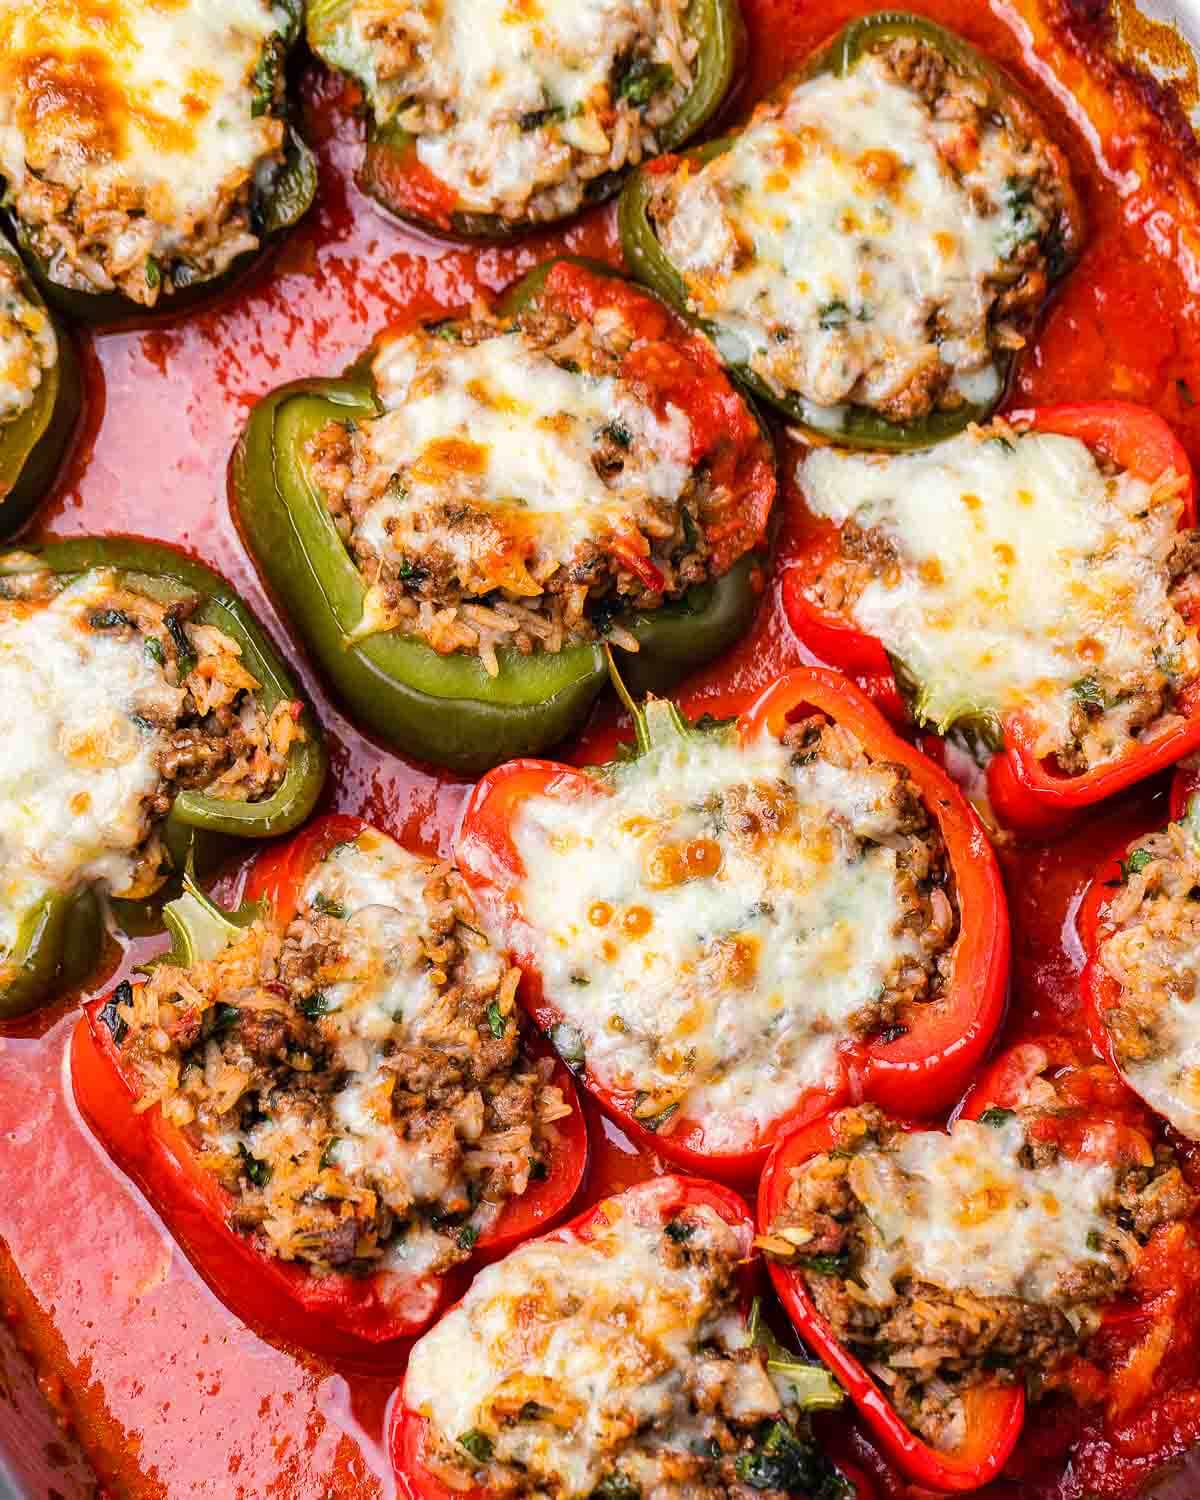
340	1316
1028	794
920	1071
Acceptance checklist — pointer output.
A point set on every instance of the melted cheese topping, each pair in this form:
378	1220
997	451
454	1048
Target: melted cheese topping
384	979
598	1332
76	778
1169	1082
28	345
501	427
822	243
727	993
508	98
135	103
1023	570
1154	955
960	1211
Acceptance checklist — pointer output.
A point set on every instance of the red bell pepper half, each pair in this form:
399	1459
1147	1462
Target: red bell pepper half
918	1072
1099	991
1095	1118
409	1430
337	1315
994	1413
1028	794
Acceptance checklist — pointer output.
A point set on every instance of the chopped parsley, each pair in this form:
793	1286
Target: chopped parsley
534	119
825	1265
185	657
783	1461
224	1017
118	1027
327	907
1089	691
477	1444
643	79
619	433
153	274
1135	864
110	619
466	1237
678	1231
328	1149
153	649
259	1172
497	1022
833	315
316	1004
616	1486
997	1117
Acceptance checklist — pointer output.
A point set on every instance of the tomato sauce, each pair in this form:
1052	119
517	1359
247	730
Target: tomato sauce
146	1372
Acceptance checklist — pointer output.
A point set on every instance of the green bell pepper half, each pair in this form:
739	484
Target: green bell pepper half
34	444
59	939
717	24
862	427
277	203
443	709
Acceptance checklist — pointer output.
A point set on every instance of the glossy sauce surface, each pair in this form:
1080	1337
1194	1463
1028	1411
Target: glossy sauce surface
165	1391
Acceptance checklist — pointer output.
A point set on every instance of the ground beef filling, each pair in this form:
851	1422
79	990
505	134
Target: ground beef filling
499	139
1151	952
1109	708
849	352
28	346
217	736
247	1054
81	206
432	575
710	1426
929	1345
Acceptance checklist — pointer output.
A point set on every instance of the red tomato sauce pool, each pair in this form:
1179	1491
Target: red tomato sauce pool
165	1391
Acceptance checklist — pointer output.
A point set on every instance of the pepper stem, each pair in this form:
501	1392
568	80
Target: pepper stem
199	929
813	1388
657	724
1191	818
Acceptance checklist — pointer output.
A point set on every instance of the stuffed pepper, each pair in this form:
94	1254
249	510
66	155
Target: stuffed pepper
152	163
40	395
328	1095
151	719
486	118
1032	582
1141	935
945	1277
620	1356
458	524
870	251
741	923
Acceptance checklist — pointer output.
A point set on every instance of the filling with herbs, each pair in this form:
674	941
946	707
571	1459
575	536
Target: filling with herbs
133	160
28	345
718	918
950	1261
874	240
119	701
524	112
1018	573
526	481
356	1080
618	1366
1153	953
